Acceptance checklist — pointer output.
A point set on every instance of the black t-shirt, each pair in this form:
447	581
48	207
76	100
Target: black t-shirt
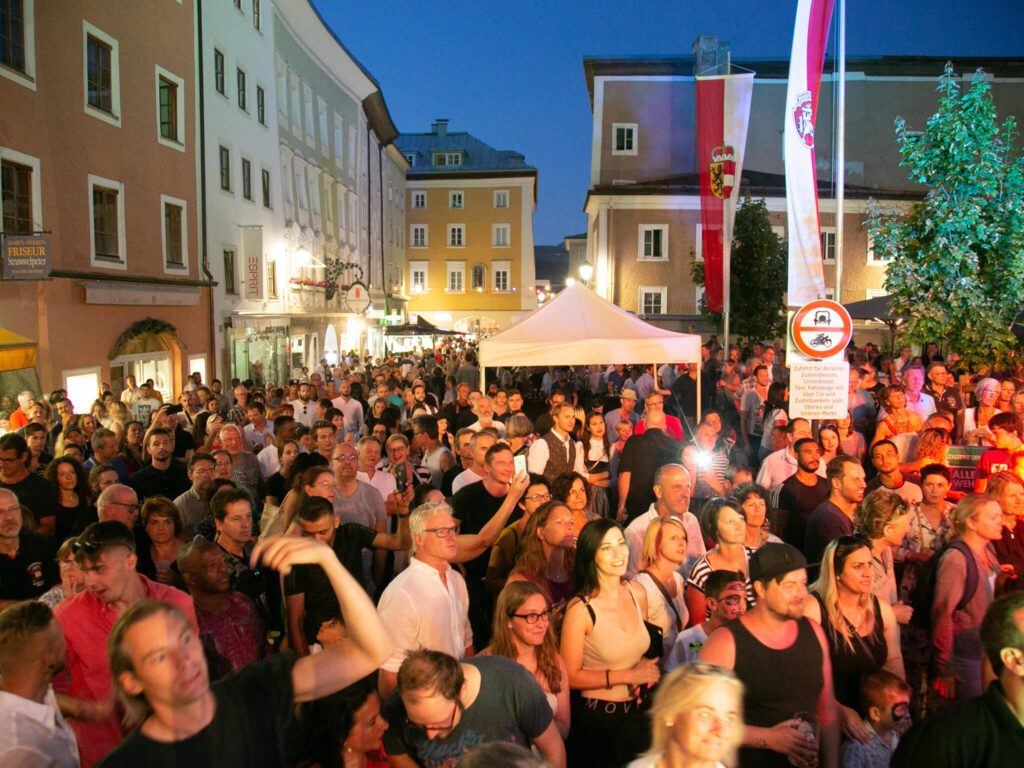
642	457
800	501
350	539
473	506
183	443
30	572
150	481
254	726
37	493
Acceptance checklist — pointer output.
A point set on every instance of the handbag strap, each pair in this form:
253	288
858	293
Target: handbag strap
668	598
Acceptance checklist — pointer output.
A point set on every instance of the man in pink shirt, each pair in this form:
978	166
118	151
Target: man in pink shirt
106	554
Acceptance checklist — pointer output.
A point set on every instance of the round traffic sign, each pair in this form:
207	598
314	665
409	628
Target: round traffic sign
357	298
822	329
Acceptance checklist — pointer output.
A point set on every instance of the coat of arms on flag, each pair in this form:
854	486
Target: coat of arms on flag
723	171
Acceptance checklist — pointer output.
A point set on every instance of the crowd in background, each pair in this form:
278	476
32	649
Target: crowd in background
608	565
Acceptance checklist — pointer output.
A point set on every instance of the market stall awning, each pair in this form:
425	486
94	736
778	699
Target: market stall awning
422	327
16	352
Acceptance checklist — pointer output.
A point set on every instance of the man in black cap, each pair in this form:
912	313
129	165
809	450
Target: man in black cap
783	661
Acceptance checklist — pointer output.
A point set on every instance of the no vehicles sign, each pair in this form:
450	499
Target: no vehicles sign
821	329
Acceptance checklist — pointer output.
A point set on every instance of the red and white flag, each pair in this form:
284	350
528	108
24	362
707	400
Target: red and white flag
806	274
723	112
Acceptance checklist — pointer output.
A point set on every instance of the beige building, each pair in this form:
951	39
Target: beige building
469	242
643	204
98	150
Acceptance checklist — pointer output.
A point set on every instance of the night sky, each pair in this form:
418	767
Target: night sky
511	72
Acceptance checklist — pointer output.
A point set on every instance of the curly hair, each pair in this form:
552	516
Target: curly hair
531	556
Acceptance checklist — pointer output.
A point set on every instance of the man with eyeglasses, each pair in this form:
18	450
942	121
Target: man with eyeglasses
356	501
106	554
36	493
427	604
193	506
27	560
445	707
656	402
946	397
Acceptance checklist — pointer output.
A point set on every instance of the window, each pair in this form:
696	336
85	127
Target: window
500	237
410	158
444	159
418	276
456	199
225	169
456	282
271	279
261	105
419	199
875	293
240	79
16	186
873	259
652	300
257	14
501	198
478	277
325	139
296	102
339	141
230	276
106	202
12	34
623	138
419	236
281	73
175	233
246	179
828	245
653	245
170	106
502	276
265	183
456	235
218	71
102	75
307	110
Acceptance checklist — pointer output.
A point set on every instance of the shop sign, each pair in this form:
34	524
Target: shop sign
962	461
26	257
357	298
254	276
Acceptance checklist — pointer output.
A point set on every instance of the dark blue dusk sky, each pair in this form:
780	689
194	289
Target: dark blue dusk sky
511	72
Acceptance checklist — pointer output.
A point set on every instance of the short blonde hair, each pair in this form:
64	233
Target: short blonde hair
966	509
683	689
652	539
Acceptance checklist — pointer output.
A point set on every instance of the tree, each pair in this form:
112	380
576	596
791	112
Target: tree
957	259
757	277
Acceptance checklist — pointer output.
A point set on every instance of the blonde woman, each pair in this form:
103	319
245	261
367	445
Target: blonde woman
861	629
524	632
972	423
696	719
884	518
662	554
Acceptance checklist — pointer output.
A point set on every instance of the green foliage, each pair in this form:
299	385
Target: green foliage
757	278
957	259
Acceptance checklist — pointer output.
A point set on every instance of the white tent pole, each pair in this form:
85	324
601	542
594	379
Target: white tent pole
699	377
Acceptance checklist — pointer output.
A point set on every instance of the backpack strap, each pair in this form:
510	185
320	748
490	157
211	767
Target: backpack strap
971	582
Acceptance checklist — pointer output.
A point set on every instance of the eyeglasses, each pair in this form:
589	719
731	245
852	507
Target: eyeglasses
126	506
533	618
436	728
538	497
345	458
446	532
67	565
10	461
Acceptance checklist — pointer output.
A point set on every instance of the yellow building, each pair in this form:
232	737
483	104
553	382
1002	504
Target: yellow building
469	219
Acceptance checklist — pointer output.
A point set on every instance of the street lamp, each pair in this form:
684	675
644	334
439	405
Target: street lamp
586	272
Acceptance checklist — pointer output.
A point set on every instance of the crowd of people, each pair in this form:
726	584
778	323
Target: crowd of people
399	562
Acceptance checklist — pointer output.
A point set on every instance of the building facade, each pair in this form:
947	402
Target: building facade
469	243
643	204
99	150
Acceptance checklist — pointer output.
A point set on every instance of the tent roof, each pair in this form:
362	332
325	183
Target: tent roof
16	352
878	308
578	327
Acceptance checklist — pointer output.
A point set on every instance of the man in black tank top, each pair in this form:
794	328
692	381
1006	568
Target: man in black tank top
782	660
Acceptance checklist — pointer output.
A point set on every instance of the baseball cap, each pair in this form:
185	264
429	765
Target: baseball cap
628	394
773	560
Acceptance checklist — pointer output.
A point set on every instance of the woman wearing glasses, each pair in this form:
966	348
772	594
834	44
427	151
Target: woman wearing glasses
604	644
861	629
523	632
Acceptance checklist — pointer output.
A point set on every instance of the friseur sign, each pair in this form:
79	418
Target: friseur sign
26	257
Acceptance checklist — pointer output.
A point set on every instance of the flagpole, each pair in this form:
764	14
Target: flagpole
841	152
726	261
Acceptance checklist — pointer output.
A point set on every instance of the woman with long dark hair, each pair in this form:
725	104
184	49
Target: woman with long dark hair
346	729
776	414
604	644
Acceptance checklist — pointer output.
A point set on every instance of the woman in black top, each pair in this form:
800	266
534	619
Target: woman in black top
72	485
861	629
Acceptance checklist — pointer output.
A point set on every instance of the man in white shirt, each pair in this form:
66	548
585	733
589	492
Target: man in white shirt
427	604
304	407
672	491
480	443
556	451
351	408
484	410
32	652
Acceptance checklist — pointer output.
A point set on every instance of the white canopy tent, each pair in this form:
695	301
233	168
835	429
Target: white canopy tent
578	327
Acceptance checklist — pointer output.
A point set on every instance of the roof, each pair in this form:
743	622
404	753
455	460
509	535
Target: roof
757	183
477	157
778	69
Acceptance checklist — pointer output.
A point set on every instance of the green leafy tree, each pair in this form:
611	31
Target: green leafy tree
957	269
757	277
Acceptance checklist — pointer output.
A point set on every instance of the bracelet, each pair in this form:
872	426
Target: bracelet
607	678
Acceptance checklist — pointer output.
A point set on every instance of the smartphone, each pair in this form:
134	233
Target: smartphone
519	462
401	477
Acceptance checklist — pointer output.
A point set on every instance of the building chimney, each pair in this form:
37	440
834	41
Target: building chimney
710	57
440	127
